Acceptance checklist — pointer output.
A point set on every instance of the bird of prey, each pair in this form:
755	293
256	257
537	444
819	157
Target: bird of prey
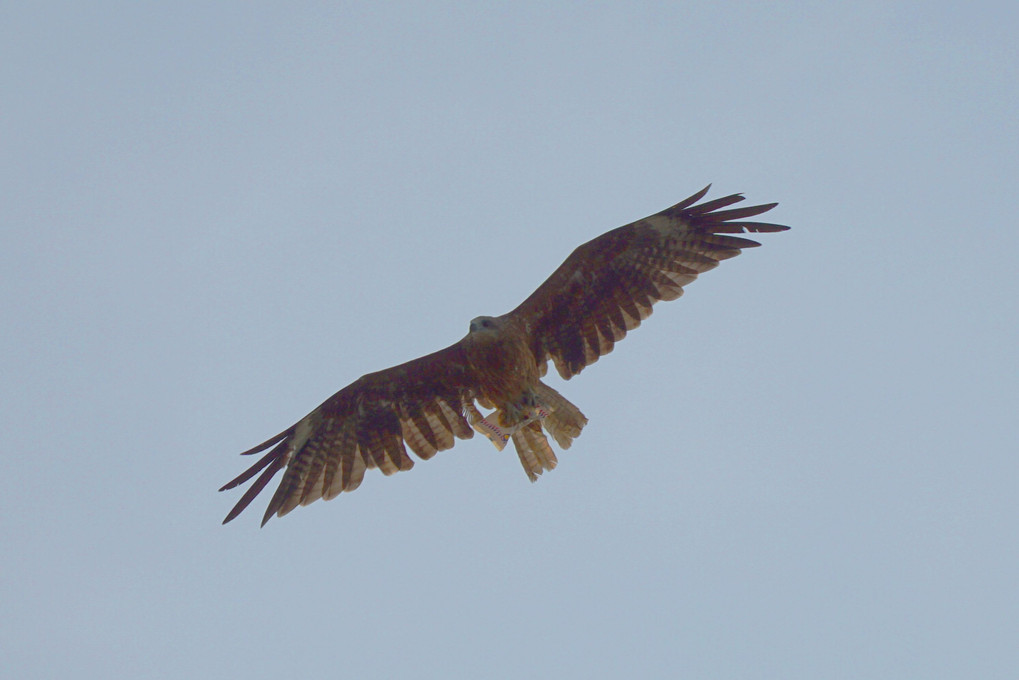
603	290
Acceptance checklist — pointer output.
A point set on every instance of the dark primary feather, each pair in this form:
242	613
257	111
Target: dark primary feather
607	286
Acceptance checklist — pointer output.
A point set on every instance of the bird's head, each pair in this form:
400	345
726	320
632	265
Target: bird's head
484	323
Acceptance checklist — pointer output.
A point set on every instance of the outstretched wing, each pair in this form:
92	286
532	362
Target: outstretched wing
607	286
364	425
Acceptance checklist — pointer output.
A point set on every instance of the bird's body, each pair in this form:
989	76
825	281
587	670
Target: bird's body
497	354
603	290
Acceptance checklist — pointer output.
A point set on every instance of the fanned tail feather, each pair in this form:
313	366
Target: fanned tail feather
532	447
565	421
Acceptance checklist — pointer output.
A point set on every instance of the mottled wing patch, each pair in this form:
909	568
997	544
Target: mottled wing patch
609	285
366	425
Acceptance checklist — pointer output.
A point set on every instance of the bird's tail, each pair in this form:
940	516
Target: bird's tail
564	421
551	412
532	447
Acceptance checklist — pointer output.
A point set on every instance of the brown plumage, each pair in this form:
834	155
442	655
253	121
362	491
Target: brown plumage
604	289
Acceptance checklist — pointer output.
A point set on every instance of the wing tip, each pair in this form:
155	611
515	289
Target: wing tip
268	465
232	515
690	200
267	443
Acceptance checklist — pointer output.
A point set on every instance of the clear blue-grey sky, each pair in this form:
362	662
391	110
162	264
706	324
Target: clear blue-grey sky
214	215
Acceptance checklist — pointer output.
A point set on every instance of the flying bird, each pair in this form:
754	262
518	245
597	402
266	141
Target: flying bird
603	290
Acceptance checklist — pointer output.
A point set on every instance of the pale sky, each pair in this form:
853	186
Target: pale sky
215	215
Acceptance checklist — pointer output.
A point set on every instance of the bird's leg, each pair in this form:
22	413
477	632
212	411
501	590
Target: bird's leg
501	425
